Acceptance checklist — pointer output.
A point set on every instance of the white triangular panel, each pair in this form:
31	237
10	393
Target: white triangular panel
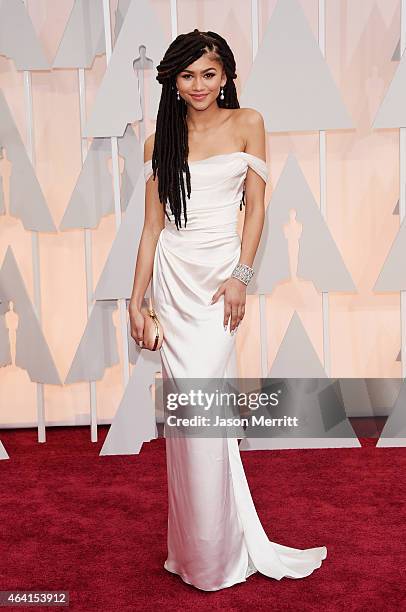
3	452
290	82
394	431
97	349
93	196
27	202
393	274
18	39
118	99
117	278
392	111
121	12
318	259
396	54
32	351
83	37
296	357
322	425
135	422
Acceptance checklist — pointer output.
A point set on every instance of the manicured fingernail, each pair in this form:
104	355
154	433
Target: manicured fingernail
225	328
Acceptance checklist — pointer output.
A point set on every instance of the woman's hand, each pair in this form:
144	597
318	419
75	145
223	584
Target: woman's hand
136	323
234	292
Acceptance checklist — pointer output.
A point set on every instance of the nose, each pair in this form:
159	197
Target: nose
198	84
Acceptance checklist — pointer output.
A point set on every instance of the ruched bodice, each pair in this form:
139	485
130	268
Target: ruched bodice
191	262
217	184
215	538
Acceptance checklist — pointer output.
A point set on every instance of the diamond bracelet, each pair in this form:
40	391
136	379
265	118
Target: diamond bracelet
243	272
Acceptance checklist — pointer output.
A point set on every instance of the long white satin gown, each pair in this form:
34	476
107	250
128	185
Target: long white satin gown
215	538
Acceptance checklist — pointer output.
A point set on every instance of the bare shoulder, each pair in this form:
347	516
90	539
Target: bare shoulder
249	122
252	127
250	117
149	147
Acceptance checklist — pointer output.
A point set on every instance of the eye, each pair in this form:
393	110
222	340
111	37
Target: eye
208	74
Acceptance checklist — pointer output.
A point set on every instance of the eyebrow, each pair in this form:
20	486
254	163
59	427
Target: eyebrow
205	70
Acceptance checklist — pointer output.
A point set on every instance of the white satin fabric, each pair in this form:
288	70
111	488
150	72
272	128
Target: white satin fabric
215	538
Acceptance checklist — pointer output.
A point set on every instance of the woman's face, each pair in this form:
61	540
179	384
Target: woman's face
199	84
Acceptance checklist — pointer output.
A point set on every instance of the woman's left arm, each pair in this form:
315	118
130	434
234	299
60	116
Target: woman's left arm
234	289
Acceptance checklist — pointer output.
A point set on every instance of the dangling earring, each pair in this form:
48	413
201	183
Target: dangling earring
221	93
178	94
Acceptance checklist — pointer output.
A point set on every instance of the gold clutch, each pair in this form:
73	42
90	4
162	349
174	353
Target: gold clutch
153	332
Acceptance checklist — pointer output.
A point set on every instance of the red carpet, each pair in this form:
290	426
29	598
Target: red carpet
96	526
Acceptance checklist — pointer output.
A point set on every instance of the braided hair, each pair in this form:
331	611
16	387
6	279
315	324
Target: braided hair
171	149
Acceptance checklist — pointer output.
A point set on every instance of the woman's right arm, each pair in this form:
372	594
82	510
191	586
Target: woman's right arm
154	222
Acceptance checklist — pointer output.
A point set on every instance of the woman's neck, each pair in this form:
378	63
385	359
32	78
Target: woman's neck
201	121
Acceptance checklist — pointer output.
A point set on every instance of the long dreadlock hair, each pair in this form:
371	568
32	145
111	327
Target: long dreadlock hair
171	148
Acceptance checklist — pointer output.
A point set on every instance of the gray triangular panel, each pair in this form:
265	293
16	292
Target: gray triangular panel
296	357
93	196
290	82
394	431
134	422
369	397
396	54
18	39
27	200
393	274
319	259
3	452
392	111
97	349
32	351
119	89
117	278
83	37
121	12
356	397
322	424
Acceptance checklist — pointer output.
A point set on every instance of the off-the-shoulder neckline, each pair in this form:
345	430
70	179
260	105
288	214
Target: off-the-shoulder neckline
199	161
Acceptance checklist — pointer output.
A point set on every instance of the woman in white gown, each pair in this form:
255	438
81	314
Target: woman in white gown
215	538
